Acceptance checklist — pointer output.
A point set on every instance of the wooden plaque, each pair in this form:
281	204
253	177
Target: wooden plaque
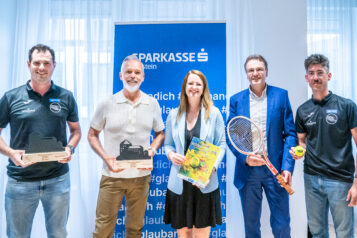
44	157
137	164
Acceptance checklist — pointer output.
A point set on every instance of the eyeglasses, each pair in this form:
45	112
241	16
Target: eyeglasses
318	74
257	70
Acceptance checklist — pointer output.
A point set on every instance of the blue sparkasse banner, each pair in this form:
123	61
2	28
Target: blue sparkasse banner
168	51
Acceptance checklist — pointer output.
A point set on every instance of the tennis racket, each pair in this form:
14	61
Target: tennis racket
248	139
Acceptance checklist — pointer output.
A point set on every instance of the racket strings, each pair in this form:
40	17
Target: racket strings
244	135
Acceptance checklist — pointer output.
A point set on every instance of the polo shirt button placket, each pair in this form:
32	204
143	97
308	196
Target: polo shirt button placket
132	119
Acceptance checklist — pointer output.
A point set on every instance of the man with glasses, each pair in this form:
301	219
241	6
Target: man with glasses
270	109
326	124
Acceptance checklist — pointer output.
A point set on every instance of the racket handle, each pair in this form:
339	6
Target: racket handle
284	185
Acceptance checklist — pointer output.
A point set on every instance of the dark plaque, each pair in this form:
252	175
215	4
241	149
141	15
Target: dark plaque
43	149
132	156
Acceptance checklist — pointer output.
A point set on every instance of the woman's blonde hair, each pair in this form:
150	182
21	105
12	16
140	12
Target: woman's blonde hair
206	100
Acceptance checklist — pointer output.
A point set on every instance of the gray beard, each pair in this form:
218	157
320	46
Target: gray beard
131	89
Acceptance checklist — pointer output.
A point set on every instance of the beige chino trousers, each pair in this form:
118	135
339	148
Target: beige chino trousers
110	197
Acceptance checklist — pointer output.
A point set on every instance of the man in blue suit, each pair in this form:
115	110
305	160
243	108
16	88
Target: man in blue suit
270	109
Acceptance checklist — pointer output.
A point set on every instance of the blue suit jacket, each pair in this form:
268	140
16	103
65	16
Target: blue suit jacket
280	131
212	131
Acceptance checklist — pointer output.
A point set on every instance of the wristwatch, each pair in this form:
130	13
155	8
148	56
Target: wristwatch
72	148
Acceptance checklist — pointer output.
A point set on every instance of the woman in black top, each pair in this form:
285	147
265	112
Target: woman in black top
190	209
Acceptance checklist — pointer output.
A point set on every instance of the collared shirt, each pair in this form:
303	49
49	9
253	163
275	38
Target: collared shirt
327	124
127	123
27	111
258	114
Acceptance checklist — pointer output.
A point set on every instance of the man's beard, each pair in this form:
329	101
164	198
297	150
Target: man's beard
131	88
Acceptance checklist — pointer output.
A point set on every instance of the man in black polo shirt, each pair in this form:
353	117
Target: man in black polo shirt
44	108
326	124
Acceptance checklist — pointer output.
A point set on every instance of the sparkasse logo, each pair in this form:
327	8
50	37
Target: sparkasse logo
173	57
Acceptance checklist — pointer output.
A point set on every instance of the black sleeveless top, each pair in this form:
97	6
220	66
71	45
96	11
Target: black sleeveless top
194	132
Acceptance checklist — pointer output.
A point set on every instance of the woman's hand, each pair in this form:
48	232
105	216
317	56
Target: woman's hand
176	158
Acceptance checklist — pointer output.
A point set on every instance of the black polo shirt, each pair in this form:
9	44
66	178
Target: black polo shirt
27	111
328	125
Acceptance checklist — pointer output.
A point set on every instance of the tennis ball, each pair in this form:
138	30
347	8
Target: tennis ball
299	151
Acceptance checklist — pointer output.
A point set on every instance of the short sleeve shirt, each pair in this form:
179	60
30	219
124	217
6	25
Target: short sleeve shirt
123	121
328	125
27	111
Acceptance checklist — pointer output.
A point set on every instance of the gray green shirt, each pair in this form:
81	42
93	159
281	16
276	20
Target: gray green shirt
327	124
27	111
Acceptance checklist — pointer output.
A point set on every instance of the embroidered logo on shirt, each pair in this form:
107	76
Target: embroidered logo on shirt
55	100
329	111
28	101
310	123
311	114
331	119
55	107
28	110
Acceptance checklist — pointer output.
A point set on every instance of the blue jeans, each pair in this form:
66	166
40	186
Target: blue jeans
22	199
321	194
278	199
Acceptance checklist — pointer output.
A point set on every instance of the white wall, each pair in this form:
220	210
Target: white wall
7	24
279	34
8	20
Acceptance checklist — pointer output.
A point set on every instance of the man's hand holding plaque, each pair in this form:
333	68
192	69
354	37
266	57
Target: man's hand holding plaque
110	162
16	158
